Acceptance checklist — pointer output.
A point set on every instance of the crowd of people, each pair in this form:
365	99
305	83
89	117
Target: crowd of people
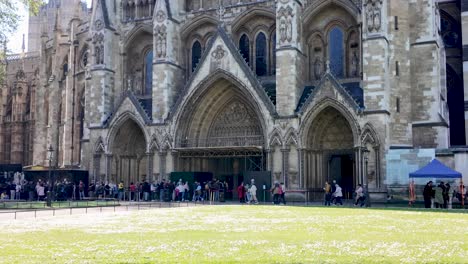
442	194
334	194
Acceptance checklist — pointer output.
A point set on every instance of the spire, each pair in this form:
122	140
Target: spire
22	47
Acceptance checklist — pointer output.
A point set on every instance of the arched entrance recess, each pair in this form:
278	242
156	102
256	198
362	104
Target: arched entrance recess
220	131
330	152
128	161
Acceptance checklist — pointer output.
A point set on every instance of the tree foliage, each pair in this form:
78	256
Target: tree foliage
9	21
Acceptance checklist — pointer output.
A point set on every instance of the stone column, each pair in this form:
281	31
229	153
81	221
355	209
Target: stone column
96	166
285	167
464	23
175	161
300	153
108	167
149	172
162	164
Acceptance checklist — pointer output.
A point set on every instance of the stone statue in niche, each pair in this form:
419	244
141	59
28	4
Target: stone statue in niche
318	68
282	29
285	24
97	54
355	64
373	15
161	42
137	81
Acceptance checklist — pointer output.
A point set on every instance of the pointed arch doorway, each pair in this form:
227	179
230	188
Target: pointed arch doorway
221	133
128	161
331	154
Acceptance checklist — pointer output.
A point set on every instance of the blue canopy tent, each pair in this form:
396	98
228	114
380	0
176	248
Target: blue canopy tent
435	169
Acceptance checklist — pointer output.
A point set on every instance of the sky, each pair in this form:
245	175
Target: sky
15	41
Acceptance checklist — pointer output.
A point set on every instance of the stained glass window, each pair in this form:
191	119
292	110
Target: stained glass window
149	73
336	51
244	47
260	55
196	54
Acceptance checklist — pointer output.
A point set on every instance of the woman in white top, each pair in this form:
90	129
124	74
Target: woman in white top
338	195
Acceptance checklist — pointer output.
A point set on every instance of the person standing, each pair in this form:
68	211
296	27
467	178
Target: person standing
328	193
253	192
146	191
427	194
283	191
338	194
81	190
447	195
241	193
276	191
121	190
439	195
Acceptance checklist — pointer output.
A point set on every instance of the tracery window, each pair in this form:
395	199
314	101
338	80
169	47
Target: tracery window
244	47
148	73
260	55
196	54
336	51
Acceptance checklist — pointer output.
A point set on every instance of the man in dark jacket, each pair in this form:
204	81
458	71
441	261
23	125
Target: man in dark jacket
427	194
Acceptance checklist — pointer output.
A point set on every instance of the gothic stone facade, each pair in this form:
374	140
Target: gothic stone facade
309	90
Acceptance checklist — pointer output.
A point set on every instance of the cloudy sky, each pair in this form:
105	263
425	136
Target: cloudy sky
15	41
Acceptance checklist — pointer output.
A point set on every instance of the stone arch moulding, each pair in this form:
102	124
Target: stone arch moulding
290	138
99	147
318	5
311	113
369	135
135	32
275	139
119	121
248	14
189	27
154	145
196	94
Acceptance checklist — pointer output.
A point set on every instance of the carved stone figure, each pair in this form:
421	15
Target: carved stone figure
318	68
97	54
354	64
219	53
373	15
285	24
161	42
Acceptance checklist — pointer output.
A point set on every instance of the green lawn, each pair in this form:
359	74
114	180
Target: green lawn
62	204
239	234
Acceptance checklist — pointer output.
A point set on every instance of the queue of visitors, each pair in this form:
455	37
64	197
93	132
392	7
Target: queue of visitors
442	194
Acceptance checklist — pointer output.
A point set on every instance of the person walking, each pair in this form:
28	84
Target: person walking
338	194
241	193
121	190
253	192
359	196
328	193
427	194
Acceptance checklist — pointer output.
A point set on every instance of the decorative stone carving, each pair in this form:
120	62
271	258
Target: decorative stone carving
218	53
98	40
318	68
355	64
98	25
160	16
285	17
373	11
161	41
